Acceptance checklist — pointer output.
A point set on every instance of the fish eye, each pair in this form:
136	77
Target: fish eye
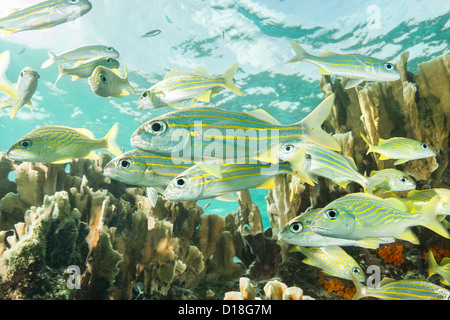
109	60
296	227
145	94
109	49
403	180
125	163
181	182
25	144
73	1
332	214
157	127
424	146
288	148
103	78
389	66
356	270
22	74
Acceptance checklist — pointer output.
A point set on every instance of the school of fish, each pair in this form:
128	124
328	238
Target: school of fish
203	152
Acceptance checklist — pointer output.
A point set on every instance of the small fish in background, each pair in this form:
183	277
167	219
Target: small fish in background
25	87
403	149
44	15
443	269
358	68
85	68
151	33
390	180
417	199
107	82
360	215
178	86
298	232
81	54
332	260
6	85
411	289
58	144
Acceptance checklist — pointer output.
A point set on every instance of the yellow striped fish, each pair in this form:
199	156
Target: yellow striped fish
203	133
81	54
44	15
107	82
332	260
144	169
178	86
85	68
411	289
403	149
197	183
58	144
298	232
390	180
25	87
443	269
356	67
417	199
358	216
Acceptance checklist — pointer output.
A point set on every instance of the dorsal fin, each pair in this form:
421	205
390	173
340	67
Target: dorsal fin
201	73
176	73
327	53
262	115
86	132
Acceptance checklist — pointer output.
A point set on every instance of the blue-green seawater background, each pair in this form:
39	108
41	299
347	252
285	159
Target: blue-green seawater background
214	35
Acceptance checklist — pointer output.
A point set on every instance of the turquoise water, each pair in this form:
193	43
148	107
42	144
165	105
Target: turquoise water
214	35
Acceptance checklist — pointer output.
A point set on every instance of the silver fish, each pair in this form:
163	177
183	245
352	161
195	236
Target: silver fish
44	15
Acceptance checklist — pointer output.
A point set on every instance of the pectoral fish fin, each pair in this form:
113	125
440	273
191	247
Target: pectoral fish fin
16	107
408	235
211	168
296	162
30	105
152	196
178	106
351	83
313	125
400	161
263	115
204	96
323	71
268	184
227	197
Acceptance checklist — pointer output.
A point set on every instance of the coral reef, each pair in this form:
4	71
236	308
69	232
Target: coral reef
68	232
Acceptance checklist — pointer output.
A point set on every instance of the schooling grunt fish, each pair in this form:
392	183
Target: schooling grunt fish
358	216
178	86
356	67
85	68
199	183
107	82
81	54
6	85
390	180
332	260
443	269
403	149
325	163
25	87
144	169
44	15
151	33
203	133
417	199
411	289
58	144
298	232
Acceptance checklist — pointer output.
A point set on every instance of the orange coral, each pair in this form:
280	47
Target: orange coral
392	253
438	253
346	291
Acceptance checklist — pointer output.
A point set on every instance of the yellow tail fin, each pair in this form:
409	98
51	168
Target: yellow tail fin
229	82
110	139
